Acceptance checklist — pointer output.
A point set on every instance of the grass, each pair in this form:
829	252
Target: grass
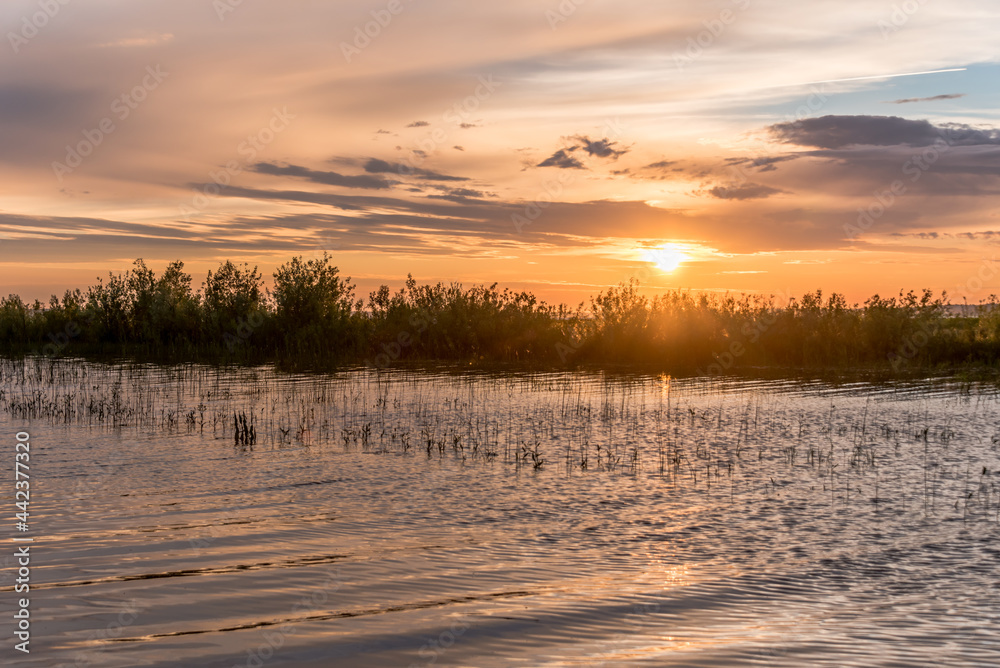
733	442
312	318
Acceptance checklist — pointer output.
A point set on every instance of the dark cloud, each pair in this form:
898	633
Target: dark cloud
918	235
376	166
940	171
661	170
933	98
762	163
461	195
596	148
466	126
660	165
326	178
460	220
72	227
418	124
985	234
562	159
600	148
437	221
743	191
831	132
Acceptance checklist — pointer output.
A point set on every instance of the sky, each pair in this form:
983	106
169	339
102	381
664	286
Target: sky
554	146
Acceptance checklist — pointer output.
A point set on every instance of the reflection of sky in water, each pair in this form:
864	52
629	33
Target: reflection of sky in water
742	549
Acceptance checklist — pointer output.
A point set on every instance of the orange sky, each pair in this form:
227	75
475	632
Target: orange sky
542	145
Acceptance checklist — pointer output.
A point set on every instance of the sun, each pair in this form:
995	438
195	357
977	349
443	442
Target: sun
668	257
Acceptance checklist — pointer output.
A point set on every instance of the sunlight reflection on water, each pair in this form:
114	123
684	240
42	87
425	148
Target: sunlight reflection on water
405	519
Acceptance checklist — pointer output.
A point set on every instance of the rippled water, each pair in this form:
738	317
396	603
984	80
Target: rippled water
418	519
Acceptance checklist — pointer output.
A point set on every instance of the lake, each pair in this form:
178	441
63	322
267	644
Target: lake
445	518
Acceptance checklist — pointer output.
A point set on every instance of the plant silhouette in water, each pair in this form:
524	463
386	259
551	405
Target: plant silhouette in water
244	432
744	448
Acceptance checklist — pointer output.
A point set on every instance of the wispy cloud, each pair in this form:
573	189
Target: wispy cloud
326	178
933	98
132	42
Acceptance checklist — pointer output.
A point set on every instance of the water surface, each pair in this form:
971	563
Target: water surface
418	519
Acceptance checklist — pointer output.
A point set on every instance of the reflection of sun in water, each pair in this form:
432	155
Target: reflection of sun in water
667	257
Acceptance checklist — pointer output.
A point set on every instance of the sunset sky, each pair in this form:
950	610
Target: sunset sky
555	147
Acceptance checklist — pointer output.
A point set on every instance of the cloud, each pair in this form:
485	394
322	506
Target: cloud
562	159
418	124
377	166
601	148
570	224
762	163
743	191
917	235
597	148
933	98
326	178
660	165
147	40
830	132
47	108
461	195
939	171
985	235
661	170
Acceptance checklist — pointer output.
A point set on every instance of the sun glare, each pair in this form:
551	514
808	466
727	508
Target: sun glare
667	257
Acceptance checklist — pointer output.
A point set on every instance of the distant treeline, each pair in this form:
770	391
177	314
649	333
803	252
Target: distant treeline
313	318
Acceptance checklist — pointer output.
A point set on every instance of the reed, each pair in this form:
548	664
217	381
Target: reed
743	446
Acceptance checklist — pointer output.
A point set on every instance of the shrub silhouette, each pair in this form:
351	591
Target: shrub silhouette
312	318
314	306
232	297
